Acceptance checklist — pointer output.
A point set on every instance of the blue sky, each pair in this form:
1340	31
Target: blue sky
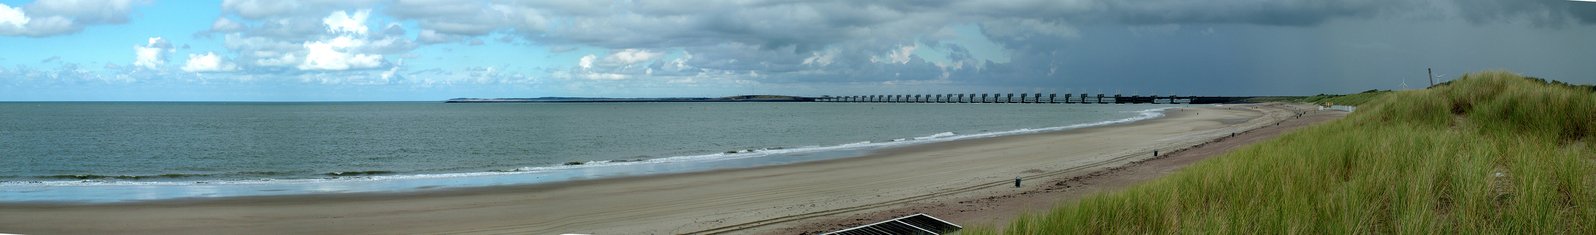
309	50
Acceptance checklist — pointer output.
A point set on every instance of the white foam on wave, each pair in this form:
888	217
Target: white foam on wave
937	135
742	154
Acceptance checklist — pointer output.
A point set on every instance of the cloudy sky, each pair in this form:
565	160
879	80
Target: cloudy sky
286	50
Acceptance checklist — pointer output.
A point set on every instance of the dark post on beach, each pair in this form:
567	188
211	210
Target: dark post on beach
1016	181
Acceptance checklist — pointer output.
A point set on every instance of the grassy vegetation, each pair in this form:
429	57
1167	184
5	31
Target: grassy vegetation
1352	99
1491	152
1266	99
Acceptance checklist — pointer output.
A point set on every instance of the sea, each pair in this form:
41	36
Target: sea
138	151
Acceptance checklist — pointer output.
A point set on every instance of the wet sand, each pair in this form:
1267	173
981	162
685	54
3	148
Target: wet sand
751	200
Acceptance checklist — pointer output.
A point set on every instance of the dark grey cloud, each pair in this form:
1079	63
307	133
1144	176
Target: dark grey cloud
1055	44
1539	12
773	36
1263	12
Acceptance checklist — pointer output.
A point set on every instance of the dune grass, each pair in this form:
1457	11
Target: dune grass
1349	99
1492	152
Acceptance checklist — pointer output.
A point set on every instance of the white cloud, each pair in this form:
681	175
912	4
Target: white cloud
618	65
264	9
388	75
283	60
56	17
337	54
12	16
222	24
821	58
86	11
341	52
153	54
901	55
208	62
632	56
606	76
343	22
586	62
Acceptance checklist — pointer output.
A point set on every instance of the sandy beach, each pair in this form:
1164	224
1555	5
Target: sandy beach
999	209
752	200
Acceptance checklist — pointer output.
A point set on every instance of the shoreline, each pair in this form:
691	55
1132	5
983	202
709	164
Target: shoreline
673	203
96	191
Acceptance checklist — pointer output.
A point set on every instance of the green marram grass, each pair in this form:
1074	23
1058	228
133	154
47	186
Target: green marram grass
1349	99
1491	153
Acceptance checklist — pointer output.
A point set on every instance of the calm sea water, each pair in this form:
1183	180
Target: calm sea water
142	143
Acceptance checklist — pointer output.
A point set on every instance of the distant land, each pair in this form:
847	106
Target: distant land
740	98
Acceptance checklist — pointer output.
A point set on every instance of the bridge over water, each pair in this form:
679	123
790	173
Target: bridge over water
1030	98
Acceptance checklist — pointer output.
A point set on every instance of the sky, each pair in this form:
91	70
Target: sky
416	50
